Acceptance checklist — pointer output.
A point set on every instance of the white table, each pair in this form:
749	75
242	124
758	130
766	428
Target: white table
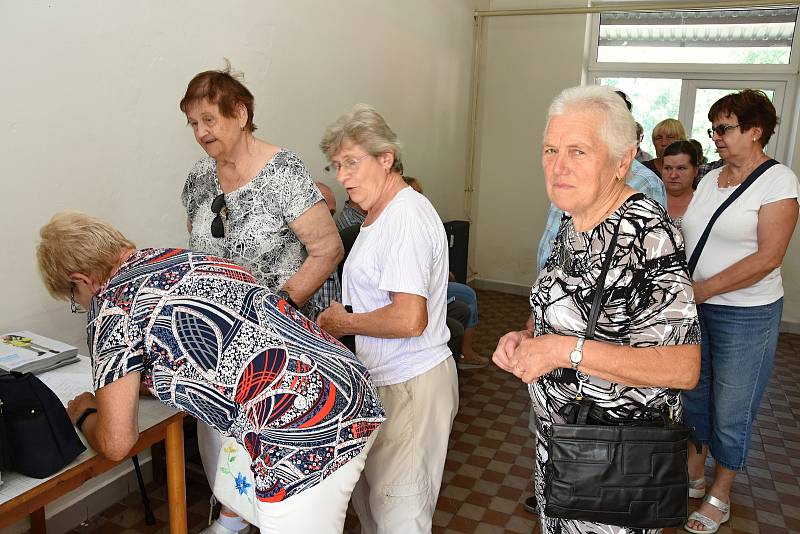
21	495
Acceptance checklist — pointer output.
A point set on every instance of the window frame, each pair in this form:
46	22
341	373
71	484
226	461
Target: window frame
691	73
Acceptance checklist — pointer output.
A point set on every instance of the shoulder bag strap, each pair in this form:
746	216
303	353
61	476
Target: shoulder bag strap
761	169
601	279
598	295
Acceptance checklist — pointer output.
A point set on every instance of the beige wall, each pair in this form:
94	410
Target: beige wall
90	117
527	62
791	262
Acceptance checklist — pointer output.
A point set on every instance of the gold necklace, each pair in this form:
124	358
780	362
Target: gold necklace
729	182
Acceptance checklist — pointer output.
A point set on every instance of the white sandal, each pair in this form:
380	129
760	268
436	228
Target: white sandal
697	488
711	525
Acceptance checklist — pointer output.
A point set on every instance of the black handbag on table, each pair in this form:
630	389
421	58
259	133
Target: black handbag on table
630	471
37	438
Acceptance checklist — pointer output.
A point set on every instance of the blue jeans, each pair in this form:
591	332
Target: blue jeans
467	295
738	352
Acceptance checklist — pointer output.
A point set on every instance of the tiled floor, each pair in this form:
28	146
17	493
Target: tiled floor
490	460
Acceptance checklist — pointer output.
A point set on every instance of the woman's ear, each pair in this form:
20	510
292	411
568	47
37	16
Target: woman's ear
241	115
81	279
755	133
386	159
625	163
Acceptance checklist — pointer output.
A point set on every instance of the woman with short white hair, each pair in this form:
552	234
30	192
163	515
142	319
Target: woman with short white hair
395	279
647	332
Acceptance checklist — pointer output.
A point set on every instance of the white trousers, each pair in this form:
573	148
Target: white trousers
320	509
400	484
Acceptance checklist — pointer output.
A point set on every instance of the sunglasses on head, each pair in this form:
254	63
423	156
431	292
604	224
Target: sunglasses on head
217	225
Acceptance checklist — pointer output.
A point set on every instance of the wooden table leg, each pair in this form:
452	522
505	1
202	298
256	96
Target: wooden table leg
38	522
176	478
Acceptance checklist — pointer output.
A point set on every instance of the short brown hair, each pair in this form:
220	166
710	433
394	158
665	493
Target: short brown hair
415	184
73	242
223	89
753	109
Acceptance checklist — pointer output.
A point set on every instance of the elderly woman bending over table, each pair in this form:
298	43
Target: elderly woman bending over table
647	331
205	337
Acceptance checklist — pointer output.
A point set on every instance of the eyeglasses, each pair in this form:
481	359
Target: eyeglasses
721	129
74	307
217	207
349	165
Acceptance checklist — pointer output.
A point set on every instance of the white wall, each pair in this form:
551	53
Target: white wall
91	122
528	60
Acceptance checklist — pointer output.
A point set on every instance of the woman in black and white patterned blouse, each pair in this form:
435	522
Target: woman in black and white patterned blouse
647	333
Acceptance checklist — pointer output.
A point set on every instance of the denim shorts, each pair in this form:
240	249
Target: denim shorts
738	353
465	294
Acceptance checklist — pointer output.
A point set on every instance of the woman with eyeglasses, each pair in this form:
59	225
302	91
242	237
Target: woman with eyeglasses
205	337
680	169
665	133
739	292
395	279
255	204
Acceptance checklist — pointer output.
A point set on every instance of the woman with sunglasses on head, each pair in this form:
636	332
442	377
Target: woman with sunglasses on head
395	279
255	204
739	292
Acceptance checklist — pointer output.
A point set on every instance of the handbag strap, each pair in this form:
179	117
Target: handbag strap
598	295
758	171
601	279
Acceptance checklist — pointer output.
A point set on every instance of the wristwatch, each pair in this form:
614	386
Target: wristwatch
576	356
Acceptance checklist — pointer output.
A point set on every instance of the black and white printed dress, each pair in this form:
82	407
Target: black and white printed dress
647	301
257	216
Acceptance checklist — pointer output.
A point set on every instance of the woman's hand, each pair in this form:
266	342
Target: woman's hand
79	404
700	293
536	356
332	320
508	344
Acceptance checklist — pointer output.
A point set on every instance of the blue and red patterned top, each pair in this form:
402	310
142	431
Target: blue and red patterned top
209	340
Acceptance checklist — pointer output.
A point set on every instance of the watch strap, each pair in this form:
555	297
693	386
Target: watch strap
285	296
86	413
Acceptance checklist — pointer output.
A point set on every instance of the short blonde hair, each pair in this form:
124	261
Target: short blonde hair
670	127
73	242
364	126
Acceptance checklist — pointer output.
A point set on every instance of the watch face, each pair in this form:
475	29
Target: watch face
575	356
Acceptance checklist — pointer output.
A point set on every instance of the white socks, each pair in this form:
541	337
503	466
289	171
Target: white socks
232	523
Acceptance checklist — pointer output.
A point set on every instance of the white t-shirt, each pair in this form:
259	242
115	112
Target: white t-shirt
734	235
403	251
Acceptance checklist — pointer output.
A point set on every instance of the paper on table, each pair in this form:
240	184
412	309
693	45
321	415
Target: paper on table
71	380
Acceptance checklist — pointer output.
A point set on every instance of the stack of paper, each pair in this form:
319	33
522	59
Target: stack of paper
26	352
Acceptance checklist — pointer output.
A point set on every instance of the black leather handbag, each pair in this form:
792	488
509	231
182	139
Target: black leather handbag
629	470
38	438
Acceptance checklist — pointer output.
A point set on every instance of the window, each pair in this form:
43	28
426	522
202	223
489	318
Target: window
675	64
735	36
